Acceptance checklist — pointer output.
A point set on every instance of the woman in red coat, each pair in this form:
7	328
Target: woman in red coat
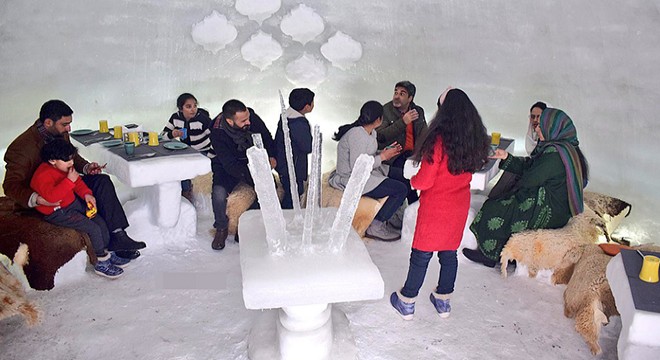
455	146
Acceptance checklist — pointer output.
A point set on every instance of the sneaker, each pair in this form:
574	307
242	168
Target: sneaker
477	256
379	230
121	241
396	221
441	306
118	261
128	254
405	309
105	268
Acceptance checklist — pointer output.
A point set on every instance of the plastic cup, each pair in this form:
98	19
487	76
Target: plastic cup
134	138
650	266
118	132
129	147
103	126
495	138
153	139
185	134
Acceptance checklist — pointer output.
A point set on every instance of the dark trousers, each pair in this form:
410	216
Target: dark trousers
504	185
419	261
396	173
73	216
287	201
396	191
107	203
186	185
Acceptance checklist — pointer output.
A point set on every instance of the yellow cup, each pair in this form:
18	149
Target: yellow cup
103	126
153	139
118	132
650	266
134	138
495	138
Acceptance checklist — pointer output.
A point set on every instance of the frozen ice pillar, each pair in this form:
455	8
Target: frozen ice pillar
313	196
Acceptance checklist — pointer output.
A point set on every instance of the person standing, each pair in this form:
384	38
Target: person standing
455	147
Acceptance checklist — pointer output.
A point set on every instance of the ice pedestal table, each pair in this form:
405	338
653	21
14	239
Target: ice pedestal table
302	289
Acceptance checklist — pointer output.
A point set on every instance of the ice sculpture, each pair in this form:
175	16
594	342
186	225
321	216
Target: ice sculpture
214	32
258	10
312	190
261	50
302	24
307	70
342	51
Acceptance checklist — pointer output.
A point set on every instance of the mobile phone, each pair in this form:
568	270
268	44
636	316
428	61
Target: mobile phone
131	126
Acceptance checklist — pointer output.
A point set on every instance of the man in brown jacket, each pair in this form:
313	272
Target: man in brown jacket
23	157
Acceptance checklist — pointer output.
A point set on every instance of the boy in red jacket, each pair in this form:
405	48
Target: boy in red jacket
58	182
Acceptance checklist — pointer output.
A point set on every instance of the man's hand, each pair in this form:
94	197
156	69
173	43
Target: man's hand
94	168
72	174
89	198
410	116
273	162
44	202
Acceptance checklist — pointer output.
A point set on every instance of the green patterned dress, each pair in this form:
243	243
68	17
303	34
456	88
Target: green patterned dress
538	201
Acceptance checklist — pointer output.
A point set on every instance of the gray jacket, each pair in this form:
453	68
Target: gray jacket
354	143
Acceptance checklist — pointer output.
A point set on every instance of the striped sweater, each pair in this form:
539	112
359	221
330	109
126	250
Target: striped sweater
198	131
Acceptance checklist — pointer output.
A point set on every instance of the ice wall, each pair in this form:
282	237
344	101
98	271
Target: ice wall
127	61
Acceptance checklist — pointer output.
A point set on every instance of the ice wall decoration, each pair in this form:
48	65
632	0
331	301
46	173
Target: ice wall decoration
306	71
258	10
342	51
214	32
261	50
302	24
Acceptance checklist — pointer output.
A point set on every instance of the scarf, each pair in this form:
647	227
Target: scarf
558	130
48	137
242	139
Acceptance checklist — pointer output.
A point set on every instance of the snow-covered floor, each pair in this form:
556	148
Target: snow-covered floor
184	301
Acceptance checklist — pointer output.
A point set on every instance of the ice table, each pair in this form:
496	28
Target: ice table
302	288
640	325
159	178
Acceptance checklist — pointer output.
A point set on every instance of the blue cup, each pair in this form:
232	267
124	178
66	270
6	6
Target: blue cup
185	134
129	147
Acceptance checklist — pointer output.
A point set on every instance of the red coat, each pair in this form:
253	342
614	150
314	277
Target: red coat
444	203
53	185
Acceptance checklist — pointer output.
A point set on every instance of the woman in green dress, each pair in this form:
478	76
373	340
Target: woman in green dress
547	195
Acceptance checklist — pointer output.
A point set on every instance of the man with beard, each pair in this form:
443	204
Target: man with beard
23	158
231	136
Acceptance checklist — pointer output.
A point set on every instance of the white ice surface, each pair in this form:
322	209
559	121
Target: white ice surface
214	32
303	24
261	50
342	50
258	10
307	70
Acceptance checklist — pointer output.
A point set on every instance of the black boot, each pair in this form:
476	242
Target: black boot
236	237
219	239
128	254
121	241
478	257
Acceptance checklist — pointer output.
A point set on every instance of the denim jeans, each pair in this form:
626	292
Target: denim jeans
186	185
419	261
219	202
396	191
396	173
73	217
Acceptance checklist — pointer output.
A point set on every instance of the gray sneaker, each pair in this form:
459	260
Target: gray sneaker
396	221
379	230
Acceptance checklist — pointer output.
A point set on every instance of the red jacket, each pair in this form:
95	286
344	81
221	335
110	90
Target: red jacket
53	185
444	203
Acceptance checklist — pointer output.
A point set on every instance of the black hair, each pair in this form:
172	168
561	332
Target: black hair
539	104
231	107
410	87
54	110
58	149
369	113
301	97
181	100
464	138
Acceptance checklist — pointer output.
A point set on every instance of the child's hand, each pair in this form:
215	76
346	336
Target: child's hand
89	198
176	133
72	174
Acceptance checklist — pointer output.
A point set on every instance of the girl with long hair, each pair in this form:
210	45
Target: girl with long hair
456	145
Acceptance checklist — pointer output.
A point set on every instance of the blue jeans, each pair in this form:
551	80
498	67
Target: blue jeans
419	261
396	191
186	185
396	173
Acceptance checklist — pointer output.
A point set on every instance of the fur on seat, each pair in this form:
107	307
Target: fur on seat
365	212
13	300
610	209
50	246
553	249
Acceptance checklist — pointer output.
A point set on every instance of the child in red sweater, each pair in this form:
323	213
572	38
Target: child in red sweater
455	146
59	183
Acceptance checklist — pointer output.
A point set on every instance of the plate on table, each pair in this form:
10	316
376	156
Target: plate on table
80	132
174	145
111	143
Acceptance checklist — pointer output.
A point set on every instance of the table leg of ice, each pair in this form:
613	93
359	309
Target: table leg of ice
164	201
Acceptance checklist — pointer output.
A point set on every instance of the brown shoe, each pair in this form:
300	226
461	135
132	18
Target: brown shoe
219	239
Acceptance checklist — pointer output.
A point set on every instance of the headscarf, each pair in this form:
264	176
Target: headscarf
558	130
242	138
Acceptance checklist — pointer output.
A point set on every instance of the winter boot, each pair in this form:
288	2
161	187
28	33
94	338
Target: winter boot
219	239
441	303
404	306
478	257
121	241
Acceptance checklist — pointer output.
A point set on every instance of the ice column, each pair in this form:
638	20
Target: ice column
289	160
312	187
349	202
270	205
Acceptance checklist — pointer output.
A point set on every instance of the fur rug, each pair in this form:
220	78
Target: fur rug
50	246
13	300
611	210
